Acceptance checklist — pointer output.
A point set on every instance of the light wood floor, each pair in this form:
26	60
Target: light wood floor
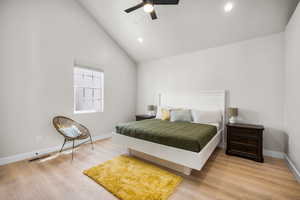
223	177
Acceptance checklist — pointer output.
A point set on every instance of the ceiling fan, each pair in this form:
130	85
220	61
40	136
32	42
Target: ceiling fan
149	6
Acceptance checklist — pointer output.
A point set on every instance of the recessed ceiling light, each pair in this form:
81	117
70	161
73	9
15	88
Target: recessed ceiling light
228	7
141	40
148	8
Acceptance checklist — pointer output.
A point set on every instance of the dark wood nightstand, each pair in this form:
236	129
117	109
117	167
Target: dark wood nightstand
245	140
143	117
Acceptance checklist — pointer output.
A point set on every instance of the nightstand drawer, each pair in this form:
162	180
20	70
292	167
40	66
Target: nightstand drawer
243	147
244	139
244	155
245	133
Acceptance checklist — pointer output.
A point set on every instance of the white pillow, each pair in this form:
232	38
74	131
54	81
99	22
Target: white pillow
159	111
180	116
71	131
206	116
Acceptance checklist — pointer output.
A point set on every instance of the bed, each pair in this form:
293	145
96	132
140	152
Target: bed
195	136
181	146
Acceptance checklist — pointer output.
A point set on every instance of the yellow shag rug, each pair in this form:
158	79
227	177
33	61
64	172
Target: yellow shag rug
132	179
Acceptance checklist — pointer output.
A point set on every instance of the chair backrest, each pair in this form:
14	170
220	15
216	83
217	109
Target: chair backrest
64	122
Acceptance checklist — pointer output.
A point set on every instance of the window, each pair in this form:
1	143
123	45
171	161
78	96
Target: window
88	90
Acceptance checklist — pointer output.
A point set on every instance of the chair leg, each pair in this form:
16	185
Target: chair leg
73	150
62	146
92	142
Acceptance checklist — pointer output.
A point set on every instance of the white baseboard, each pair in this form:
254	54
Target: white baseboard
293	168
274	154
281	155
28	155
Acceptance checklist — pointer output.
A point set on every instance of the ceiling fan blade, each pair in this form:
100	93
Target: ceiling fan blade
165	2
153	15
134	8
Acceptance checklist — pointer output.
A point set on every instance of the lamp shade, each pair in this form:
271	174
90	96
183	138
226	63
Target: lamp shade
151	108
233	112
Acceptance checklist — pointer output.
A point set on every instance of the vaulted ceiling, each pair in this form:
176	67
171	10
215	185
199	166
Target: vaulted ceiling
192	25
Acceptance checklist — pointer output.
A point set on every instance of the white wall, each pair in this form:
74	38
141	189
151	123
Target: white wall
252	72
39	40
292	83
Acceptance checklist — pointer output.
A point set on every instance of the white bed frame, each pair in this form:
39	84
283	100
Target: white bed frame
175	158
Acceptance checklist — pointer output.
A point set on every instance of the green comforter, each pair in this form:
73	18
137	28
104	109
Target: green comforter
183	135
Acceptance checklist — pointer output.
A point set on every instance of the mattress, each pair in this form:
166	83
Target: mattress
183	135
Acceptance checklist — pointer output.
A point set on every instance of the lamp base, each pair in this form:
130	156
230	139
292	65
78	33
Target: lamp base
151	113
232	120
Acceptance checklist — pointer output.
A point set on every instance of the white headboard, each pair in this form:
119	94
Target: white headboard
202	100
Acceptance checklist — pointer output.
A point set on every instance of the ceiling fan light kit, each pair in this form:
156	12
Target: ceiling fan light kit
148	6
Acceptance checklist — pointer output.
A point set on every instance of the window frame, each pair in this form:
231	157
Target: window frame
86	67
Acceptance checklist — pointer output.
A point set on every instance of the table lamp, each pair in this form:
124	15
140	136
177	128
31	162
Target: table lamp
233	113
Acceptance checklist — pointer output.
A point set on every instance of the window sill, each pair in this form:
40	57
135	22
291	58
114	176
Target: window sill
86	112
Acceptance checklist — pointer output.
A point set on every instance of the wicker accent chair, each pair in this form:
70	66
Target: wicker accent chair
60	122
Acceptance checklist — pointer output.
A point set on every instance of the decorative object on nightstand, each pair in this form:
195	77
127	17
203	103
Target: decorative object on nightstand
144	117
233	113
151	110
245	140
